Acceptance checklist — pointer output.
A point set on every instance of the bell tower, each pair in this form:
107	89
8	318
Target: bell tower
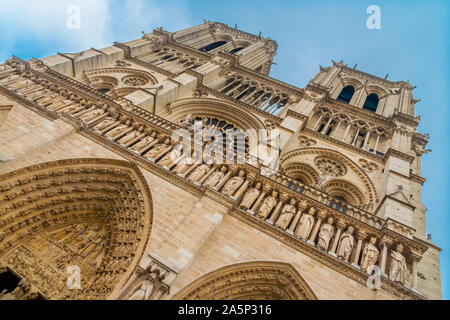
251	51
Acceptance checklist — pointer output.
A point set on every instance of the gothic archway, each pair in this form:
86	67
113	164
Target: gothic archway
95	214
259	280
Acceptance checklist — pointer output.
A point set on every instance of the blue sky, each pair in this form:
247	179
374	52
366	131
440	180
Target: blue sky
412	44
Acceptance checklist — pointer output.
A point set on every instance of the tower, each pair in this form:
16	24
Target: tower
93	177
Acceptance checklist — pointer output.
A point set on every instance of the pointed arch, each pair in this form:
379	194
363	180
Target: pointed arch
261	280
43	209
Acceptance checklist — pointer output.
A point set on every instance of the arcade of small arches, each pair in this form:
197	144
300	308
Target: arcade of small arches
354	132
254	94
172	60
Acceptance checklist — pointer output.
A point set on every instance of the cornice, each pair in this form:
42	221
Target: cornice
376	79
399	154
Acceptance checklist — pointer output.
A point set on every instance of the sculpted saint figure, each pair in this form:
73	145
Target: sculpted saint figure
398	265
233	184
157	148
143	291
183	164
251	196
92	114
369	256
325	234
215	178
199	172
129	136
267	205
346	244
171	156
305	225
103	124
114	132
187	122
286	215
144	142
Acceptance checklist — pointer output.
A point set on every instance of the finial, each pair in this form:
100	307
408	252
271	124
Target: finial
386	76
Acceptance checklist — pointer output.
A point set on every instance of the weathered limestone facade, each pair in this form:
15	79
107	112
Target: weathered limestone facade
85	177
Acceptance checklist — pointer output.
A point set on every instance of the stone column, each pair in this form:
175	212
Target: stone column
340	225
360	236
346	132
415	258
277	209
258	201
384	252
320	216
297	216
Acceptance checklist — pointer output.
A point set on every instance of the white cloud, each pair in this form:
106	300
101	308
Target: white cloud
102	21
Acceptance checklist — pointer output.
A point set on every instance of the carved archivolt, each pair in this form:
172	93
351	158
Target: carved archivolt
249	281
92	213
303	172
346	190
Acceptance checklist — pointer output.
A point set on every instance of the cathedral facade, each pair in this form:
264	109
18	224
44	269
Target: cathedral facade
98	199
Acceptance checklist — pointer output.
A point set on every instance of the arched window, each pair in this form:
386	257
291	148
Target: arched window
212	46
235	50
346	94
104	90
371	103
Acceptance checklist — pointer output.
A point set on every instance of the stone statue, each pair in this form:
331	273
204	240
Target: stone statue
104	124
144	142
157	149
267	205
251	196
369	256
92	114
143	291
114	132
215	178
171	156
398	265
233	184
305	225
187	122
325	234
128	137
346	244
199	172
183	164
286	215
